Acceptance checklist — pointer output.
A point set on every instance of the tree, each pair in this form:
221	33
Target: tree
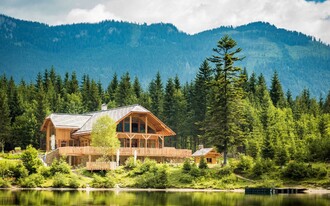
4	119
104	135
200	94
225	108
276	92
30	159
157	96
125	93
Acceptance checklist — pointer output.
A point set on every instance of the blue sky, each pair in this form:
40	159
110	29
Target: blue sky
311	17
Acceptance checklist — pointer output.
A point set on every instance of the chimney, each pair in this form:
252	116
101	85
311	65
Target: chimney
104	107
200	147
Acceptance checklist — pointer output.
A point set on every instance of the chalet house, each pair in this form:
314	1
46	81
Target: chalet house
139	131
209	154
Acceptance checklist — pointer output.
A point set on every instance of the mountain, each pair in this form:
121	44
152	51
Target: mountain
104	48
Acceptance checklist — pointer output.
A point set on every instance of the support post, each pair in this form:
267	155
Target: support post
47	137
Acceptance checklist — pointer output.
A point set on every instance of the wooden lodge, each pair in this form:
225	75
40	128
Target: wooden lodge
209	154
139	131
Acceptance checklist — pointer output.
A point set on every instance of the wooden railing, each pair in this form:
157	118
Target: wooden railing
100	165
144	152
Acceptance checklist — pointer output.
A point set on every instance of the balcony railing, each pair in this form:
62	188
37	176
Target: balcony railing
140	152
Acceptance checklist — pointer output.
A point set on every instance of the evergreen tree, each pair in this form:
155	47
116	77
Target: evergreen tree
112	88
200	94
225	110
137	88
157	96
326	105
4	119
276	92
74	85
125	94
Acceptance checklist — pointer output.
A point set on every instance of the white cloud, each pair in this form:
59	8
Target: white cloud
96	14
191	16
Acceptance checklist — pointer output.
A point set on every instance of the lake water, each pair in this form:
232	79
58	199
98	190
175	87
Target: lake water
65	198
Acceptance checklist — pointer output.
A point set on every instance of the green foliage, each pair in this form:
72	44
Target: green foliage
245	164
129	163
102	182
202	163
32	181
186	178
186	167
45	171
147	166
30	159
59	166
4	183
153	179
225	171
60	180
299	170
263	166
104	135
194	171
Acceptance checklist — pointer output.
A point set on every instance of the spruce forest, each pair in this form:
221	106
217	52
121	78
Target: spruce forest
261	122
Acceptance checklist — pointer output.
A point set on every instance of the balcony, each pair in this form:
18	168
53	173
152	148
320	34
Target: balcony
141	152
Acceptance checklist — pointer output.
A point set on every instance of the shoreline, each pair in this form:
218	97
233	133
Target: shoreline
89	189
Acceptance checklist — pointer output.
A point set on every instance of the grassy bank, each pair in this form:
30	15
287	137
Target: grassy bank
240	173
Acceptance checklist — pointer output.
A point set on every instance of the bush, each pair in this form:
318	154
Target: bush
186	179
153	179
263	166
32	181
60	180
147	166
102	182
202	163
194	171
74	182
12	169
186	167
129	163
225	171
30	159
245	164
44	171
60	166
297	170
4	183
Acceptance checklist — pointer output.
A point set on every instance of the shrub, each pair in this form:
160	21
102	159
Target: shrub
32	181
30	159
202	163
44	171
12	169
185	178
4	183
60	166
74	181
153	179
320	172
102	182
186	167
147	166
263	166
194	171
297	170
245	164
129	163
60	180
19	171
225	171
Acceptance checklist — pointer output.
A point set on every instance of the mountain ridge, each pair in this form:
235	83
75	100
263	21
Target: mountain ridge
101	49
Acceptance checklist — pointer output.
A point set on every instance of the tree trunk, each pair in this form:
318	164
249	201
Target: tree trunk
225	153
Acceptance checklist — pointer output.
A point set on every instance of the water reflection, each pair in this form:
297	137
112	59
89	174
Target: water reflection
155	198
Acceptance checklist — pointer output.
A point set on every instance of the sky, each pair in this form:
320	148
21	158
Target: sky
311	17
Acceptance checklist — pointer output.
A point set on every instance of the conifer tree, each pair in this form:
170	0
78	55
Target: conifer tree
225	110
157	96
276	92
200	94
112	88
125	94
4	119
137	88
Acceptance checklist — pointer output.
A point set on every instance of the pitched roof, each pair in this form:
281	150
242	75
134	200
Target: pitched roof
202	152
116	114
68	120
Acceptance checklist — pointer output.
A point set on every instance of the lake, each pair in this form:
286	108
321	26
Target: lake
63	198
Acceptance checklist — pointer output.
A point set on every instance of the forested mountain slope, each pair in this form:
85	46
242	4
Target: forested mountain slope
107	47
